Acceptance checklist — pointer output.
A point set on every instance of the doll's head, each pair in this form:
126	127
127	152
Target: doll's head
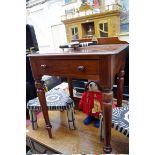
92	86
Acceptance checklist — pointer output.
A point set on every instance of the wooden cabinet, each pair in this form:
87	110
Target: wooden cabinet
105	24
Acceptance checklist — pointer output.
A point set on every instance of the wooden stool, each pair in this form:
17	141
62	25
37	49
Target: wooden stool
120	121
57	100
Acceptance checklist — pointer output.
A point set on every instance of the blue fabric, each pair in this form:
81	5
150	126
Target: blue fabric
97	123
89	119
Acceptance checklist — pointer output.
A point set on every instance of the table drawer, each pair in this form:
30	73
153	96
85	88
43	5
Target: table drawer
69	67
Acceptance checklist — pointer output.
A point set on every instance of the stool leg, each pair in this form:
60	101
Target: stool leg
101	131
33	119
71	118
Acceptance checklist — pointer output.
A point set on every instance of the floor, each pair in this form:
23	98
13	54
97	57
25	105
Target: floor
84	140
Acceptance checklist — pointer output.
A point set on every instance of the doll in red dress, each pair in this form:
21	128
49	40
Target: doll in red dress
91	103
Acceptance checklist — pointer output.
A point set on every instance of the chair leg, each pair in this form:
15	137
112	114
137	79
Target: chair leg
71	118
33	119
101	131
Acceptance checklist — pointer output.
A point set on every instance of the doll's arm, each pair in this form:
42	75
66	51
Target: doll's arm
83	100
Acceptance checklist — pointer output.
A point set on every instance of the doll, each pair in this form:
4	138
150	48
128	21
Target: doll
91	103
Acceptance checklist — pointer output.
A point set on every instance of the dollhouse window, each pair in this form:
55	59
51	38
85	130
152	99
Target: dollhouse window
103	29
74	32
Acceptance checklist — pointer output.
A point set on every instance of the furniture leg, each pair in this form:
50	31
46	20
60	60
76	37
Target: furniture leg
70	85
33	119
107	120
42	99
120	87
71	118
101	131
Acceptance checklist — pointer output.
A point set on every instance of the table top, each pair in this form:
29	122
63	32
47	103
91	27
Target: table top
89	50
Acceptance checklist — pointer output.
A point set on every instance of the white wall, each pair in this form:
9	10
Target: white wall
43	17
58	35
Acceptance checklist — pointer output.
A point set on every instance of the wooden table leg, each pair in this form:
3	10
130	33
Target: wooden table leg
70	85
42	99
120	87
107	111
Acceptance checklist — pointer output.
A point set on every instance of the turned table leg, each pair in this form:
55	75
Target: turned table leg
42	99
70	86
120	87
107	112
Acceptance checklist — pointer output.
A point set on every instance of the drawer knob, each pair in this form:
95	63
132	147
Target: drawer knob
81	68
43	66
